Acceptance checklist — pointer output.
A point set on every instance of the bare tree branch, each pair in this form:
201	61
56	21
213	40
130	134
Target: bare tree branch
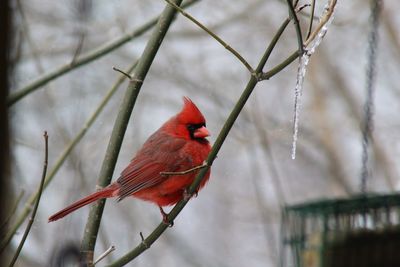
35	208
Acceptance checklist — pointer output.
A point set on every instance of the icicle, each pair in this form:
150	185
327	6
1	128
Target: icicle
301	73
298	91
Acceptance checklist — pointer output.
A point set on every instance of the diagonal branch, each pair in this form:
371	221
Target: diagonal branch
275	39
216	37
279	67
104	254
293	15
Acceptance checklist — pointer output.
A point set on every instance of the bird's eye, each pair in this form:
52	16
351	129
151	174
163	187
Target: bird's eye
193	127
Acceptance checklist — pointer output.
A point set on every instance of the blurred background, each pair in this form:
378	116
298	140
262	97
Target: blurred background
235	220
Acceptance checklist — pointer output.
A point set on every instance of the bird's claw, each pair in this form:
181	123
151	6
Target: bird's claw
187	195
165	219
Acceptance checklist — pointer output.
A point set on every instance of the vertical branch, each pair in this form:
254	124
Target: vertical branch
263	76
31	220
293	15
311	19
6	66
149	53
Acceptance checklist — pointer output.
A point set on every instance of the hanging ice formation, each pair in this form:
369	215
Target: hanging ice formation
301	72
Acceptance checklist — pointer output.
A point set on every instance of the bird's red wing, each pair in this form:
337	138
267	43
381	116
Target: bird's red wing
159	154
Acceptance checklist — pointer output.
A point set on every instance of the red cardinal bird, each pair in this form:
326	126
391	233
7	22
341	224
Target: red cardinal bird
179	145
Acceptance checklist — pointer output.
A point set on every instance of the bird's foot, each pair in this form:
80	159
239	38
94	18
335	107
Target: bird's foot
187	195
165	217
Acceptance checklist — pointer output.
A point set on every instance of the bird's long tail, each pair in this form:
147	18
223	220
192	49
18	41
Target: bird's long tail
106	192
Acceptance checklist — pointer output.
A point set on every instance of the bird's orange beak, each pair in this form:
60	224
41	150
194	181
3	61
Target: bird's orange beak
202	132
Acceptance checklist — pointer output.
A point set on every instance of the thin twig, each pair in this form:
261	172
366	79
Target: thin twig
61	159
84	59
274	41
143	241
303	14
78	49
32	218
105	254
293	15
122	72
311	19
322	22
218	39
300	8
185	172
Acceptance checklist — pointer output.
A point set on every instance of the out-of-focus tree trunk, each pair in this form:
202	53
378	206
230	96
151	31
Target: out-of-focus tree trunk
5	23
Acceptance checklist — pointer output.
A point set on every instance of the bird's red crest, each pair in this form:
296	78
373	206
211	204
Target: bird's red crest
190	113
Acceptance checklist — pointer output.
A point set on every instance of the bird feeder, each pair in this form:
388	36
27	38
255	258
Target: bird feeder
363	231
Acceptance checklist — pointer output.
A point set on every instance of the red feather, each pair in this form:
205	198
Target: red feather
179	145
104	193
